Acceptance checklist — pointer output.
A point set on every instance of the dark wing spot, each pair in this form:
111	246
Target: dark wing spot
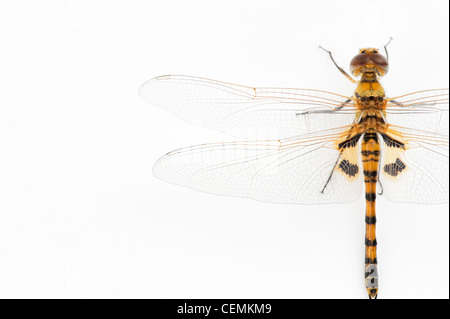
350	142
390	142
394	169
348	168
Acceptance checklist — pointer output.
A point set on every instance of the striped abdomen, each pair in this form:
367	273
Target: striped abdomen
370	151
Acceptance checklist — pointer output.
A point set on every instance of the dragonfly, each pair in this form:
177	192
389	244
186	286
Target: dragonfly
305	146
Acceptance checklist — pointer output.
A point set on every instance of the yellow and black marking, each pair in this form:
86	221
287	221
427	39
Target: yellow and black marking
350	142
370	152
391	142
347	162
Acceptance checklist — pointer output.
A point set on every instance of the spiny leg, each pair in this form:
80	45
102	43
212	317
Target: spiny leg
337	108
332	171
349	141
339	68
385	48
379	182
396	103
415	105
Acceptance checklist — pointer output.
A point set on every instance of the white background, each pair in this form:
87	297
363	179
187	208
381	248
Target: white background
81	215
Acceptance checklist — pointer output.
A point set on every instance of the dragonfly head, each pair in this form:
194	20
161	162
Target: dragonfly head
369	60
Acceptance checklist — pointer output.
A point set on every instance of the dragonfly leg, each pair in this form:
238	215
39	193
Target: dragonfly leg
337	108
379	182
332	171
341	151
415	105
385	48
339	68
396	103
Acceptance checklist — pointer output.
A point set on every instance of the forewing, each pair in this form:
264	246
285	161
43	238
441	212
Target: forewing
425	111
301	170
247	112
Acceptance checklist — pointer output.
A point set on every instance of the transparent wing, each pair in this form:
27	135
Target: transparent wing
424	111
252	113
416	170
302	170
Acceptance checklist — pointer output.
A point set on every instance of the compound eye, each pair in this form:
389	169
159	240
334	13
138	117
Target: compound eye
380	61
359	61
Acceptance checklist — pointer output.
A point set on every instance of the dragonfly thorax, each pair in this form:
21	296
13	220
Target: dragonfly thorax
369	93
372	120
